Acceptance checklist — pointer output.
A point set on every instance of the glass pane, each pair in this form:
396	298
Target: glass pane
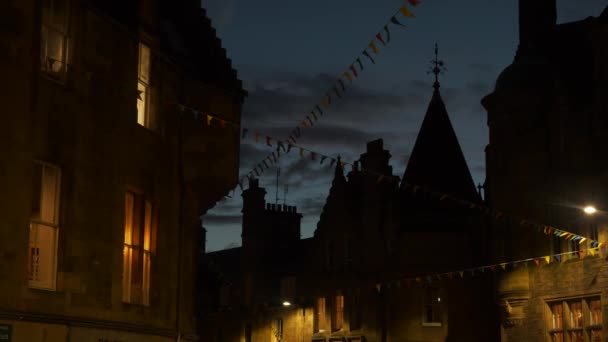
55	14
557	316
596	311
557	337
321	314
49	194
127	252
129	202
147	225
36	190
146	280
596	335
144	63
42	254
141	103
577	336
576	314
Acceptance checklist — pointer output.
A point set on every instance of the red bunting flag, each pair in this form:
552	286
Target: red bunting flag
379	37
414	2
222	123
313	156
537	261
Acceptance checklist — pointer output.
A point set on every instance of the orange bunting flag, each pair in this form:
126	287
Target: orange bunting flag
581	254
537	262
380	178
257	135
373	47
209	118
406	12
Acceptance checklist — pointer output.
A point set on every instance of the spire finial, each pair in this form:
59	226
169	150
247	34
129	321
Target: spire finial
437	68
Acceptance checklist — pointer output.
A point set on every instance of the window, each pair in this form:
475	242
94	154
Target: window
575	320
354	306
139	248
277	330
44	219
143	86
320	318
338	314
432	307
54	38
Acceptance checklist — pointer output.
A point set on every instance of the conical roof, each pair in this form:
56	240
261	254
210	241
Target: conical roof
437	162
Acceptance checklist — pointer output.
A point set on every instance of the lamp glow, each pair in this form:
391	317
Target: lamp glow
590	210
286	303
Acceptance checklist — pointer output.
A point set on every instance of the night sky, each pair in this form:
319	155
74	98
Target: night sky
289	53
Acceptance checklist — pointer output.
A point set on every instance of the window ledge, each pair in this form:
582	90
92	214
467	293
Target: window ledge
431	324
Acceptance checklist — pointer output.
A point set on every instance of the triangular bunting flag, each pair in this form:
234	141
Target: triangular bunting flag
372	45
369	56
558	258
388	33
414	2
209	118
396	22
342	84
289	146
222	123
257	136
337	93
319	108
548	259
378	287
537	261
280	145
360	64
323	159
312	112
352	68
309	120
379	37
504	266
406	12
347	75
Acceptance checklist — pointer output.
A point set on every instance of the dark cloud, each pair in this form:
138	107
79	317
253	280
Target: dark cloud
482	67
224	220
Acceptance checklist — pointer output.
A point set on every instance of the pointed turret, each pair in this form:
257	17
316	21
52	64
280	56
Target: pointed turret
437	162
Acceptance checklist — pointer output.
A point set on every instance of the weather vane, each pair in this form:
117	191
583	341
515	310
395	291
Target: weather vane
437	67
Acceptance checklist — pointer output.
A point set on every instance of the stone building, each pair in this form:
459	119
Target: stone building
371	233
105	169
547	119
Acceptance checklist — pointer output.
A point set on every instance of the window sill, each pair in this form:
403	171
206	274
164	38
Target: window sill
436	325
41	288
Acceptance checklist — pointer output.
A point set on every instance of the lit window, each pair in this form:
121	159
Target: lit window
338	314
42	256
432	307
320	319
139	247
143	86
54	38
576	320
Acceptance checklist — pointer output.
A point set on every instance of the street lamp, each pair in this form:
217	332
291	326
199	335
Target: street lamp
286	303
589	210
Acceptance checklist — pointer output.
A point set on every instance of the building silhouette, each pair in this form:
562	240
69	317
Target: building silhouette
370	232
105	168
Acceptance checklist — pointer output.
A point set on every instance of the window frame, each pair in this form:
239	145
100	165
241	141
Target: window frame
145	119
439	305
51	284
139	257
46	69
568	327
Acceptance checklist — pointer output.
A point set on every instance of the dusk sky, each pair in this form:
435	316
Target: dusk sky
289	53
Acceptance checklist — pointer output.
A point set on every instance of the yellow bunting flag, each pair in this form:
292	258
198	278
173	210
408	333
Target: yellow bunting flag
324	102
444	196
372	45
461	274
378	286
548	259
583	239
209	118
592	251
504	266
406	12
347	75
